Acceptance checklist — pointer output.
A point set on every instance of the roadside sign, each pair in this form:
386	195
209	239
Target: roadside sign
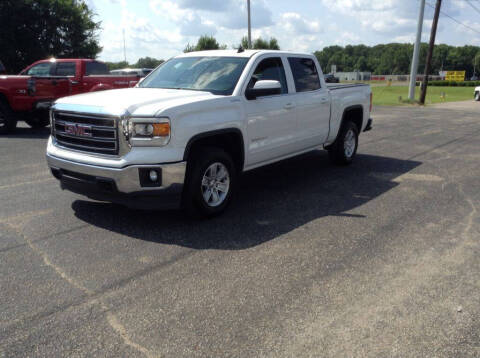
455	76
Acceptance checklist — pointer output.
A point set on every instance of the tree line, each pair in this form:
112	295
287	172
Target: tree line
395	58
143	62
206	42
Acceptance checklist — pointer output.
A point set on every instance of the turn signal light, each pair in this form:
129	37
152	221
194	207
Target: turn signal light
161	129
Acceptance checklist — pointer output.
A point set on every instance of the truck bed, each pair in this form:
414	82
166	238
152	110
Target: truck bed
337	86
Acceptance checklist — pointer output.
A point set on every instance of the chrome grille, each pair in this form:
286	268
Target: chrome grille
86	132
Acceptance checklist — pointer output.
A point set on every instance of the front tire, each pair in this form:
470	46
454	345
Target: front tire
8	121
344	149
210	183
477	96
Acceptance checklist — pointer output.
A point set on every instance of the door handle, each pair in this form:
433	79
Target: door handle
54	82
74	82
289	106
323	100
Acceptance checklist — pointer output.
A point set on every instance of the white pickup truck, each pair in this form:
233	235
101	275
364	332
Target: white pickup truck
184	135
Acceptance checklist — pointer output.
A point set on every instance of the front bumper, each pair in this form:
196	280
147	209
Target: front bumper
121	185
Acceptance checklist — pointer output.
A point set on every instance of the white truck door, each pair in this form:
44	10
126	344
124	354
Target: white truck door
312	103
271	121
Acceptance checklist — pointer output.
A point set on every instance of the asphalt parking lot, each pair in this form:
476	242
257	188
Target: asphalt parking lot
379	259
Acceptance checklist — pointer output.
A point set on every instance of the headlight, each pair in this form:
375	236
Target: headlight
148	131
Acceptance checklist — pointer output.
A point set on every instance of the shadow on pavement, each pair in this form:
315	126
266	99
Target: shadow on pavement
27	132
270	202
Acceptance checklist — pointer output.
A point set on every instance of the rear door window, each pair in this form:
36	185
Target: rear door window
270	69
96	68
41	70
305	74
65	69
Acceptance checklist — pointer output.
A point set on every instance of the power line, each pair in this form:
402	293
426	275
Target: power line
473	6
452	18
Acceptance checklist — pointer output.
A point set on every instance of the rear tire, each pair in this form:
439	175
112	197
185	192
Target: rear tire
210	183
39	119
477	96
8	121
343	150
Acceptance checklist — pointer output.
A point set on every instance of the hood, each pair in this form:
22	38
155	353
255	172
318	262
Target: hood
135	101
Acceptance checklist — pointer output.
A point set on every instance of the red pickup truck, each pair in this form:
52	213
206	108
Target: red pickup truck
29	95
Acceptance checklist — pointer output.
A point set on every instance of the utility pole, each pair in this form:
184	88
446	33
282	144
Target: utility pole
430	51
249	26
416	52
124	47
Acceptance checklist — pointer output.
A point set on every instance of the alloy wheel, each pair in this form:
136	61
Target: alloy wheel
215	184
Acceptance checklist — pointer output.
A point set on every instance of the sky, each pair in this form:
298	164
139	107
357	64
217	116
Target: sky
162	28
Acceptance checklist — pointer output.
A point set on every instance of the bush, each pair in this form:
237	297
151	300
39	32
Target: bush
452	83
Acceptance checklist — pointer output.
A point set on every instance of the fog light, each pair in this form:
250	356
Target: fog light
153	175
150	177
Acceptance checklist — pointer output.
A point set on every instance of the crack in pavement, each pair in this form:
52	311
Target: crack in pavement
112	320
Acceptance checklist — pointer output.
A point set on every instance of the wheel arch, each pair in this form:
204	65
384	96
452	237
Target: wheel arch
228	139
355	114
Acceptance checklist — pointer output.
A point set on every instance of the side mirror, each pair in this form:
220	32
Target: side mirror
263	88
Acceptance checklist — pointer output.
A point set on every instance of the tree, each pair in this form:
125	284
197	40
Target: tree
36	29
261	44
205	42
361	64
476	63
148	62
244	42
117	65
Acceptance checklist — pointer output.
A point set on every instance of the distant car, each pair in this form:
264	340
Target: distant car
331	78
142	72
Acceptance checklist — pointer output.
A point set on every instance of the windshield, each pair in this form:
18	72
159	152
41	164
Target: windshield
218	75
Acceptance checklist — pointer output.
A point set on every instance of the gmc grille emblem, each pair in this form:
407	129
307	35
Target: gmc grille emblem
78	130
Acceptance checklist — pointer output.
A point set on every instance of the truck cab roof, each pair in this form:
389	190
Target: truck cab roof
235	53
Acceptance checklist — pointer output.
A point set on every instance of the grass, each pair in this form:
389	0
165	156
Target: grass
389	96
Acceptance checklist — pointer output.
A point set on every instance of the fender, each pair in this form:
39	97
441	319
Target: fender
208	134
100	87
347	109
